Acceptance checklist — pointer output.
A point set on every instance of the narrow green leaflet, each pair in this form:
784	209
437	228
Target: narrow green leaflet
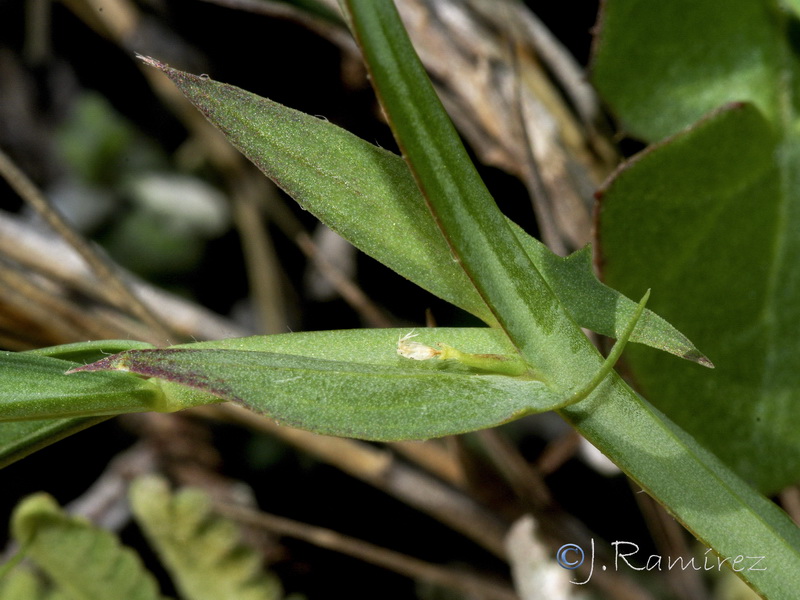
18	439
34	387
373	346
363	192
375	203
600	308
84	561
583	391
710	218
203	551
423	386
367	391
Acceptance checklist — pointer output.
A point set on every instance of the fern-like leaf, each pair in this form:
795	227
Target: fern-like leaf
23	584
202	551
85	563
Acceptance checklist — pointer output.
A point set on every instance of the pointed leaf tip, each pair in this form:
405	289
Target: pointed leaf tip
700	359
103	364
111	363
151	62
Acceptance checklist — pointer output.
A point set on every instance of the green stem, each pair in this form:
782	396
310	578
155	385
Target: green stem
613	356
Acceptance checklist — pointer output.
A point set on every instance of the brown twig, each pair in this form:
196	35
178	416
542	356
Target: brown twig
35	302
114	287
524	478
434	458
263	267
468	583
790	499
54	268
351	292
556	525
558	451
379	468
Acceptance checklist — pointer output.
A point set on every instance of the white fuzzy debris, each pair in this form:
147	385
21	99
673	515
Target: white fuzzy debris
415	350
533	566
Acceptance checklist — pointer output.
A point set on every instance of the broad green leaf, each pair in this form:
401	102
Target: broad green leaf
729	191
711	220
376	204
350	384
663	65
203	551
35	387
85	562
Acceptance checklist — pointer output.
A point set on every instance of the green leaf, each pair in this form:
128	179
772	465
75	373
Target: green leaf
36	387
710	220
474	228
600	308
727	195
203	552
23	584
717	506
373	347
708	498
373	202
349	383
663	65
18	439
304	154
86	562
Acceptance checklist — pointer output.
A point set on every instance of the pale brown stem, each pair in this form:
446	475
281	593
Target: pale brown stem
461	581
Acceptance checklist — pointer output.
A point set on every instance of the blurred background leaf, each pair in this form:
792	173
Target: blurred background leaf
709	216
